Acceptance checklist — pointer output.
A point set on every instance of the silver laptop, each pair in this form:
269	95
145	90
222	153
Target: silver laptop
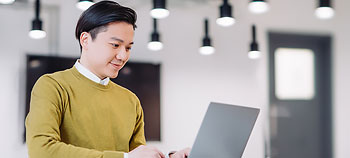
224	132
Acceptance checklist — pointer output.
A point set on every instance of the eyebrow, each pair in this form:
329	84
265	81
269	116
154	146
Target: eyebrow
120	40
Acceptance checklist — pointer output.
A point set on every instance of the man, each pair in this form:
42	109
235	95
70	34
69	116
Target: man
79	112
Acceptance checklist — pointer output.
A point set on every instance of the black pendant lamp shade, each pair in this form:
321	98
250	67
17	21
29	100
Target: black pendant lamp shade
254	44
206	48
37	24
37	30
155	44
254	52
206	39
159	4
159	10
325	3
225	9
226	19
325	10
155	34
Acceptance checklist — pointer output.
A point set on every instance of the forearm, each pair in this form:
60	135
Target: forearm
44	147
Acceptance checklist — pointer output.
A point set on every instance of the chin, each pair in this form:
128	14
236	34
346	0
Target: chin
113	75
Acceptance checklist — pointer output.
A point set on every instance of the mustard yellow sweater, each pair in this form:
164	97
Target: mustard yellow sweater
73	117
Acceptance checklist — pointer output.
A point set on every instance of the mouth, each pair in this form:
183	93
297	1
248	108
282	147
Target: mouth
117	65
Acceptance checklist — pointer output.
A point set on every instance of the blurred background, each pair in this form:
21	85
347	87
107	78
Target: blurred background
293	65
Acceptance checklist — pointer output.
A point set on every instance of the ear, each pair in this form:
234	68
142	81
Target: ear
84	40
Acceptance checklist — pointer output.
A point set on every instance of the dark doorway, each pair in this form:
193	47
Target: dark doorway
300	96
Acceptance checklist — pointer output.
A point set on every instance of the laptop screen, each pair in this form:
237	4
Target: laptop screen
224	132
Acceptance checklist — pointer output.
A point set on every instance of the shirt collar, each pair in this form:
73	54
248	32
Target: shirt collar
88	74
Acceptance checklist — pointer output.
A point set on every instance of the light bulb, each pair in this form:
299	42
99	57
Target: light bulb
258	7
37	34
7	1
159	13
254	54
324	12
207	50
83	5
225	21
155	45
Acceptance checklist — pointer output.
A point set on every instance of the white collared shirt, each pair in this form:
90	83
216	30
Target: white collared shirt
88	74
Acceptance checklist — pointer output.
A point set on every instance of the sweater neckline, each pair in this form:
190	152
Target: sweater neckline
88	81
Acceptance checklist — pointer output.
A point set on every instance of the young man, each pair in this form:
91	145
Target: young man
79	112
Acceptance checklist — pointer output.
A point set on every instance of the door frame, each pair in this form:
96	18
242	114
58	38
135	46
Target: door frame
327	69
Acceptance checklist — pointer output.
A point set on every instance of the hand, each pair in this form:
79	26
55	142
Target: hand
181	154
143	151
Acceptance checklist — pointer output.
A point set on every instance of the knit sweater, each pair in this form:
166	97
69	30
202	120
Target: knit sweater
73	117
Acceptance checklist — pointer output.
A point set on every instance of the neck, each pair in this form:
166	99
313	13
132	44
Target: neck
83	61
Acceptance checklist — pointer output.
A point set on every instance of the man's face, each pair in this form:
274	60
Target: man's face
109	51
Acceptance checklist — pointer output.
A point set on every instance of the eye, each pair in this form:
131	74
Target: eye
128	48
115	45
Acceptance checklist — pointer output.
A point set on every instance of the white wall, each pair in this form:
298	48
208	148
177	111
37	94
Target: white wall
14	43
189	81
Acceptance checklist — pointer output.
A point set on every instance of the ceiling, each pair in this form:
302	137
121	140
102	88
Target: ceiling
134	2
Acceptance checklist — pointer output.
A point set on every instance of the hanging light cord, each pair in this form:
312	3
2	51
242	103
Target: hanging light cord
37	9
254	33
206	28
155	25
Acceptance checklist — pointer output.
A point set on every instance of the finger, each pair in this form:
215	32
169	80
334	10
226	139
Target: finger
158	151
160	154
187	151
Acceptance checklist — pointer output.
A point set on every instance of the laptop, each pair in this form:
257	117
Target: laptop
224	132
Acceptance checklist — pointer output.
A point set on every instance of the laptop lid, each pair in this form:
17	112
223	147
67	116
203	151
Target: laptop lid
224	132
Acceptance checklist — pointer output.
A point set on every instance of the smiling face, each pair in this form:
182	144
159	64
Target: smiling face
109	51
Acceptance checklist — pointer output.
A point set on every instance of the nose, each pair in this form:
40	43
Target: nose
122	54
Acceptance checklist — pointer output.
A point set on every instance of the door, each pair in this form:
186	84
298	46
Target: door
300	96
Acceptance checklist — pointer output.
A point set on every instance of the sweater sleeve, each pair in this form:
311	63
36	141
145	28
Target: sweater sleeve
43	125
138	137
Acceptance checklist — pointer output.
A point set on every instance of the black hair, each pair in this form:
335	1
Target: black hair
98	16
